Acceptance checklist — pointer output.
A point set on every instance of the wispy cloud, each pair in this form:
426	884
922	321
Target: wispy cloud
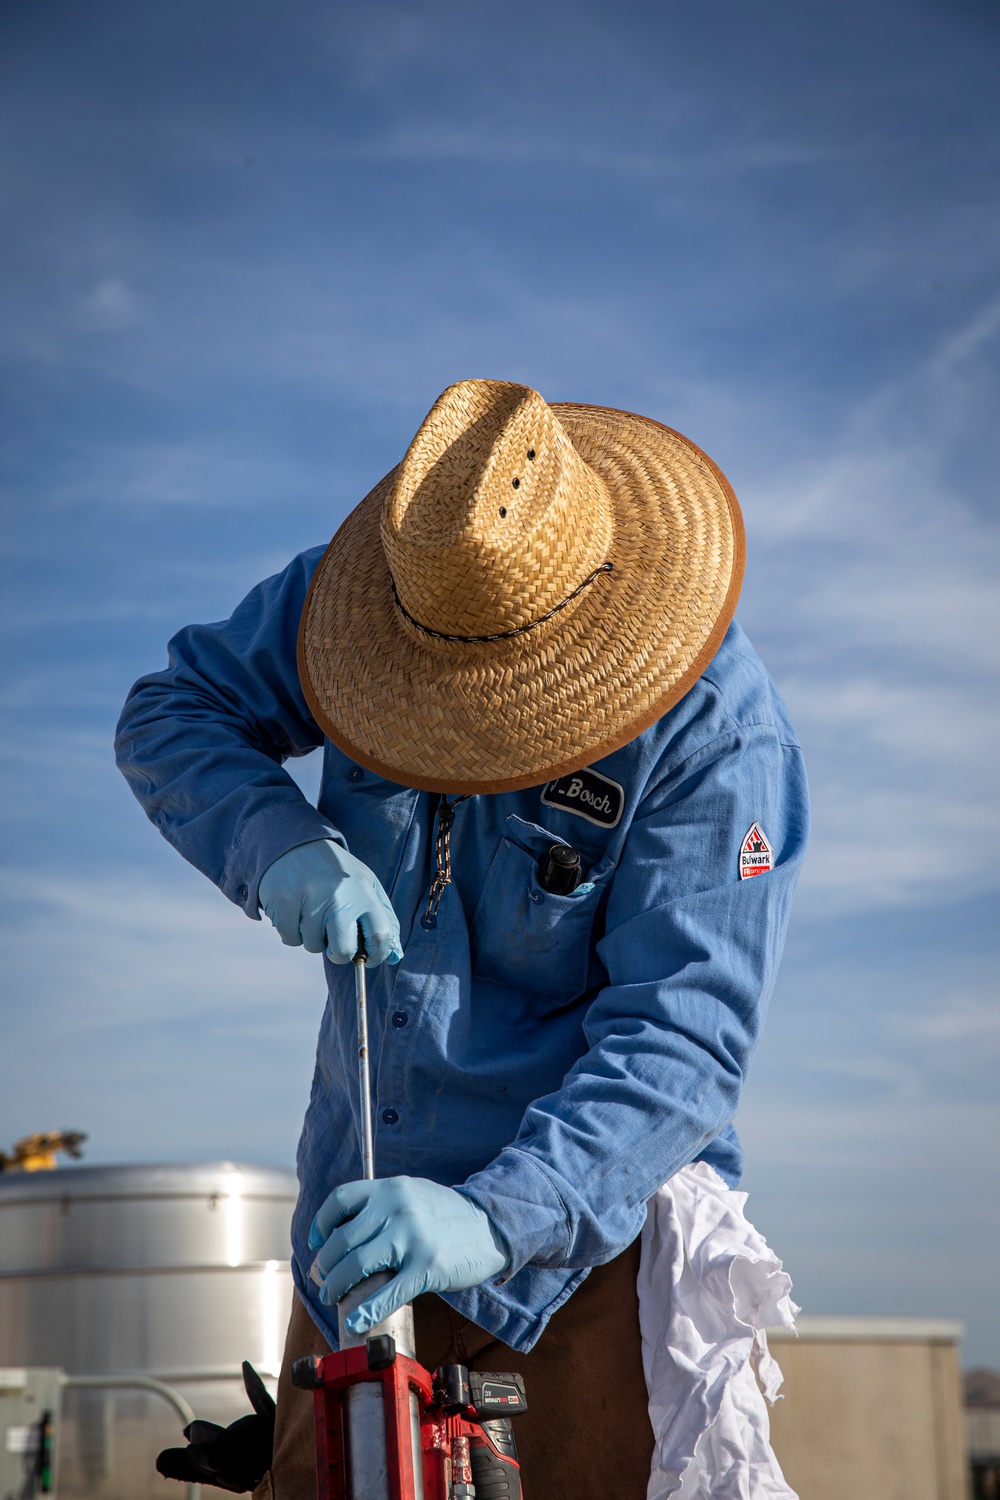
876	582
111	304
962	1018
134	986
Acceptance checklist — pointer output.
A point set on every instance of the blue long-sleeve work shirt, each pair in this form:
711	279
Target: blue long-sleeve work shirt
555	1057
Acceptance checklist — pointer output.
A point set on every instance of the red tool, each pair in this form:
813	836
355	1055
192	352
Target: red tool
460	1448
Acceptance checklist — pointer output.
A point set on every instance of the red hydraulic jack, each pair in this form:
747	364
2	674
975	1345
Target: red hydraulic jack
447	1436
386	1429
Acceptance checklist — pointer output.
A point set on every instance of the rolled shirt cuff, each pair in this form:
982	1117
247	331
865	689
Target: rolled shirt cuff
525	1207
264	838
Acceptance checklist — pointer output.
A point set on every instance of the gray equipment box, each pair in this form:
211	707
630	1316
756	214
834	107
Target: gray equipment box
29	1432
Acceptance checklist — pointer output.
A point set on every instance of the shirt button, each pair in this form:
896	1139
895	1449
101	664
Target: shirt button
355	774
537	897
389	1116
244	892
427	923
400	1018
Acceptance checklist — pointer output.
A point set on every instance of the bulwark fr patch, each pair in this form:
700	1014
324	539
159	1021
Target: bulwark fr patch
756	854
588	794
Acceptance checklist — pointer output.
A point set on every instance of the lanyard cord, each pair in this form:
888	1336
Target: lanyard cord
442	854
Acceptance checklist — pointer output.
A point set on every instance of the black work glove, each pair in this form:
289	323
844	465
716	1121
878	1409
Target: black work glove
234	1458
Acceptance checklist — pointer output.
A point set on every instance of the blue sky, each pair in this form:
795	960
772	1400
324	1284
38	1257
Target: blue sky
246	247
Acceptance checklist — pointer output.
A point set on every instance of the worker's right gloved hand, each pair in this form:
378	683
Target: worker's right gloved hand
434	1238
316	895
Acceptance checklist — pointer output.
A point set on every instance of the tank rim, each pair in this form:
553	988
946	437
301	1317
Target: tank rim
148	1180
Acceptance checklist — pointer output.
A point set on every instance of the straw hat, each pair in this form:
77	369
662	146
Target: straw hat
527	591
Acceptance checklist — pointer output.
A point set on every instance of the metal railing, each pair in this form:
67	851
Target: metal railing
139	1383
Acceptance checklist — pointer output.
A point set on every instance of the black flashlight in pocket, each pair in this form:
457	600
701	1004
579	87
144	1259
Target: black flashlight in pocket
559	870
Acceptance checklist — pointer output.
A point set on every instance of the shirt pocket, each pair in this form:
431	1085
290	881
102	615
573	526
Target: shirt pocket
525	937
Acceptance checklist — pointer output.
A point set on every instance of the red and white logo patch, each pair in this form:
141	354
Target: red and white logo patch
756	854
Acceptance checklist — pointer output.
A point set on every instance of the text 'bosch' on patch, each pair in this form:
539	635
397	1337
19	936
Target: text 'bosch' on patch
588	794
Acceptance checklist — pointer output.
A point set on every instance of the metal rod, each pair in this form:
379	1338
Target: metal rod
140	1383
368	1459
364	1065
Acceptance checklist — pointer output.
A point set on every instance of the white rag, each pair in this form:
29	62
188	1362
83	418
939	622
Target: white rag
709	1286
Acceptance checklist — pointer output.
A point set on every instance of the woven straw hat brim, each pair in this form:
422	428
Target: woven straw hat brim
460	717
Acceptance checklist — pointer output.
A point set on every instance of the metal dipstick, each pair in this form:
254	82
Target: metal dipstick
364	1068
368	1459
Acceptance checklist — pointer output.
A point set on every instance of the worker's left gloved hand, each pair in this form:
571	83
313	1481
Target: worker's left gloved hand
233	1458
435	1238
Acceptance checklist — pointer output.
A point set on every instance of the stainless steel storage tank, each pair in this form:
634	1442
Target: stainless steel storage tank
176	1272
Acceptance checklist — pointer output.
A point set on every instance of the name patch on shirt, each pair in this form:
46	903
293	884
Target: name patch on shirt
588	794
756	854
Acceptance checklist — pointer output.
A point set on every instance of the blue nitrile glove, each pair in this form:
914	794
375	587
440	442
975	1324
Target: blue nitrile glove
434	1237
316	895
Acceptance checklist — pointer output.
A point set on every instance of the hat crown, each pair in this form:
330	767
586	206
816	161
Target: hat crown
492	519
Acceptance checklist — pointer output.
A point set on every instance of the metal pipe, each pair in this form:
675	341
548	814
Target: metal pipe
367	1457
364	1062
142	1383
